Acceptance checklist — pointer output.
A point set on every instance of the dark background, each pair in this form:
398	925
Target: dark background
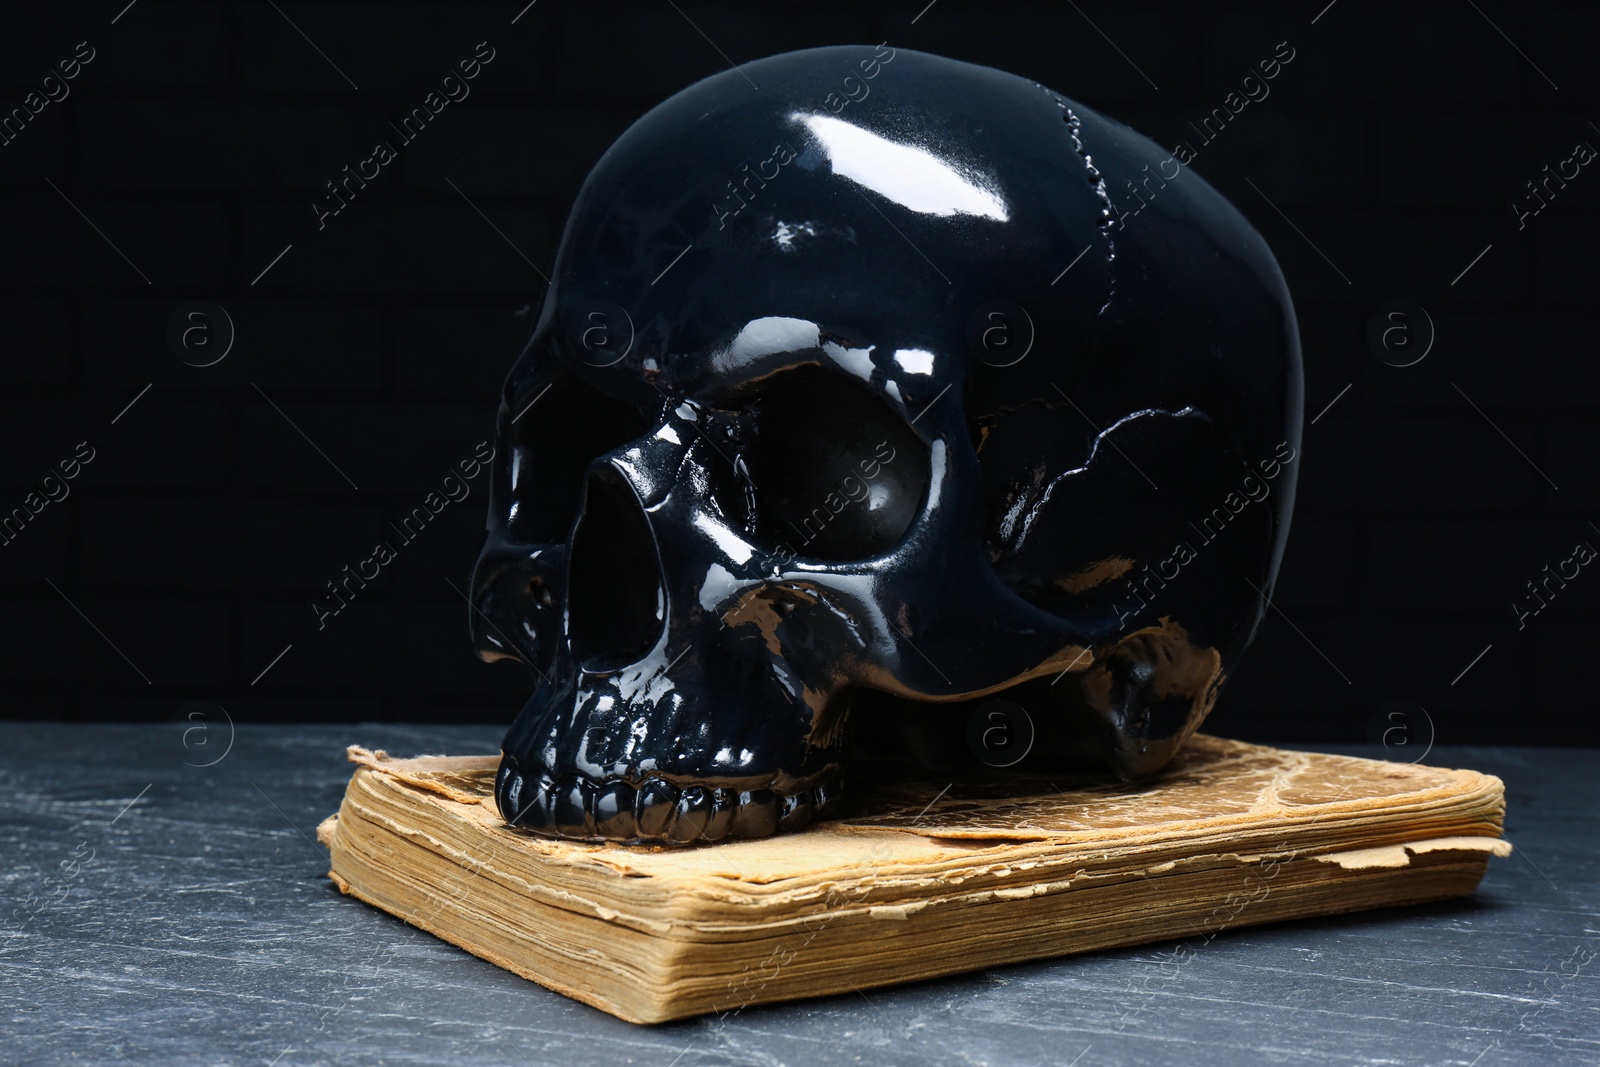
186	556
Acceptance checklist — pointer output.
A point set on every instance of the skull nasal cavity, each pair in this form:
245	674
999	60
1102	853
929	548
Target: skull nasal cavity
615	603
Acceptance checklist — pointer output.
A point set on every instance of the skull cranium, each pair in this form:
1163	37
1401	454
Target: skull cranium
841	399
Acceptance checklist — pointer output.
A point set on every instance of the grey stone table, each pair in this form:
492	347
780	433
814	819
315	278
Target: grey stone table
159	910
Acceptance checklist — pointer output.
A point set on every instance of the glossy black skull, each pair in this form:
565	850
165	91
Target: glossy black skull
867	377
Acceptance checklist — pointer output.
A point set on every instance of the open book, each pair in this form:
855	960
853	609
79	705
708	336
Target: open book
916	879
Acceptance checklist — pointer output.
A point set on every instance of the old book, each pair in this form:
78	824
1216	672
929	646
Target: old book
915	880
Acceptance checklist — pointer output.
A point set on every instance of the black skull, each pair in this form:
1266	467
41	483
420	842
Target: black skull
871	378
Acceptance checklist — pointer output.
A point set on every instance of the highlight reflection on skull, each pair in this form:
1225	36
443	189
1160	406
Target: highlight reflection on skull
920	424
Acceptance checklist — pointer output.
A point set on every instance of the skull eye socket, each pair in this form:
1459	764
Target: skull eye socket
560	431
837	473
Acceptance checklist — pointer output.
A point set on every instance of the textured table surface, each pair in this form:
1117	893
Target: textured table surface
158	910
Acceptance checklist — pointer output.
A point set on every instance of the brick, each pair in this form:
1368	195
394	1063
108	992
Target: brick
1561	686
1433	566
398	248
399	49
1574	453
1069	51
664	50
1438	465
533	150
151	543
464	351
172	642
405	450
33	148
1265	724
1566	255
1416	660
160	45
156	45
1561	46
170	242
39	340
1474	567
36	438
378	645
1319	564
1381	55
1283	681
289	345
41	547
494	713
53	32
1412	144
1390	257
1556	601
160	443
125	346
444	554
163	444
1524	364
278	345
215	143
1303	155
303	708
15	707
185	743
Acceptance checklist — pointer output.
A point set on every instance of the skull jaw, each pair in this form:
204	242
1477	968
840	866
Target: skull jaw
626	776
655	810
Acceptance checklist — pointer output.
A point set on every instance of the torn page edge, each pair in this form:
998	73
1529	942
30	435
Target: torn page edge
426	772
1400	855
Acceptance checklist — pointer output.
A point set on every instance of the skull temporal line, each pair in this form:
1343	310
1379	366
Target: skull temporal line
763	460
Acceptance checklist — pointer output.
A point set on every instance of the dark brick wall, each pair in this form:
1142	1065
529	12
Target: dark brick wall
1392	148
